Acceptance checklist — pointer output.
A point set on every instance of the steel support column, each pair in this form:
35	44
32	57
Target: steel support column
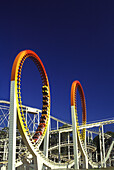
100	143
59	147
57	125
75	142
38	165
104	162
68	145
12	128
46	140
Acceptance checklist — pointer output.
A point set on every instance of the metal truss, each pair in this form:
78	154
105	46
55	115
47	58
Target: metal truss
32	116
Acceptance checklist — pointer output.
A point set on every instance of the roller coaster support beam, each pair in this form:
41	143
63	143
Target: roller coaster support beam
68	145
88	136
59	147
91	136
75	141
12	128
46	140
85	142
104	162
38	165
57	125
96	157
85	162
100	147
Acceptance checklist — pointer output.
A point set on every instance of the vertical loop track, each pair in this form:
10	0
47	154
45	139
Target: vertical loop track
31	141
77	86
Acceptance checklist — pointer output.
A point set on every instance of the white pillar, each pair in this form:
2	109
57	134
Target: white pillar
38	165
57	125
85	163
103	147
88	137
59	146
86	158
91	137
12	128
96	157
75	141
26	114
100	147
38	117
34	123
68	145
5	151
85	143
8	118
46	140
50	144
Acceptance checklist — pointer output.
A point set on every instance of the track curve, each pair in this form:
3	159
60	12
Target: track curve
76	85
36	140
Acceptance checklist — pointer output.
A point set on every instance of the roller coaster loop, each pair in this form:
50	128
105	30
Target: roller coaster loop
36	140
77	86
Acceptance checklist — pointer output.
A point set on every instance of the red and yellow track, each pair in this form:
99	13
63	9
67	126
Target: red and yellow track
16	76
77	86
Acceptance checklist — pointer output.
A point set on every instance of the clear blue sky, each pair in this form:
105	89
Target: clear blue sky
75	41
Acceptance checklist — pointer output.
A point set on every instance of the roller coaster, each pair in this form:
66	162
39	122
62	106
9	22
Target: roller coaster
40	146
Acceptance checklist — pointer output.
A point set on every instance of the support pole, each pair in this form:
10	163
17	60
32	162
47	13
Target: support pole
85	142
96	157
38	165
75	142
46	143
103	147
26	114
59	147
5	151
50	144
12	128
100	147
88	137
57	125
91	136
68	145
85	159
38	117
50	136
46	140
34	123
85	163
